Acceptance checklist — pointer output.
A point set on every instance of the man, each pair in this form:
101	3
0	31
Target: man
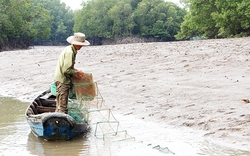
65	70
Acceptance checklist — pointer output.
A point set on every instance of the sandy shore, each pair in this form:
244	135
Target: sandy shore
196	84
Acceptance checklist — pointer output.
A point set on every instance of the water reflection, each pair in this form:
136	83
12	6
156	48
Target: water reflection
38	146
17	139
13	128
10	110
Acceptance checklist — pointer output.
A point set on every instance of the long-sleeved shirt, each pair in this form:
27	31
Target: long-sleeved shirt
65	65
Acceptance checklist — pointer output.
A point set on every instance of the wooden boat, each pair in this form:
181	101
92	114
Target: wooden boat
50	125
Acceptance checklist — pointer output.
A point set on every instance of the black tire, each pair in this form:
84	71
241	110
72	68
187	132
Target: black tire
59	115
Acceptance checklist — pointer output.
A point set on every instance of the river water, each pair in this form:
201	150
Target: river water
143	139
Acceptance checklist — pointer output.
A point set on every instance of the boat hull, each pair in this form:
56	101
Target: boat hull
52	125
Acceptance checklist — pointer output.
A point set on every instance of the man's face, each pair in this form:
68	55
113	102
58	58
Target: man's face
78	47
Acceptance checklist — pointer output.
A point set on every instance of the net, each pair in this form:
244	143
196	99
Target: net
106	126
87	105
83	88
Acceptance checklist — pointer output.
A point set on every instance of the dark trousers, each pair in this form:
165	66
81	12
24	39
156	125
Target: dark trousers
62	95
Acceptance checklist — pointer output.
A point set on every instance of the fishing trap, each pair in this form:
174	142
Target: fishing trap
87	105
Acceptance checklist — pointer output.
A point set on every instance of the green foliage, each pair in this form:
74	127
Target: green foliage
122	22
114	19
93	19
25	22
216	19
62	20
20	23
158	19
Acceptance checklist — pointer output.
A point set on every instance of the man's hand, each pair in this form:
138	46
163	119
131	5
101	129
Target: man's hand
80	73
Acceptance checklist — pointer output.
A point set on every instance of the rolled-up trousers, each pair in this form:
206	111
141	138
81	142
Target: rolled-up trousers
62	94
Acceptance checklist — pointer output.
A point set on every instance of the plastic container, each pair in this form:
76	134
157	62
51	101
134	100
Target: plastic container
53	89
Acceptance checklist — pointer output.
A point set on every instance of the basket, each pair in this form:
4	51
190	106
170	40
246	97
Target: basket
84	88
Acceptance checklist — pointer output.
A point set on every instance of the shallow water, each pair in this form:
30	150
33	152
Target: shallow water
150	139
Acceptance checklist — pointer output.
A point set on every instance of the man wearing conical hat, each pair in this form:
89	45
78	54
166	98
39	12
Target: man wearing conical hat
65	70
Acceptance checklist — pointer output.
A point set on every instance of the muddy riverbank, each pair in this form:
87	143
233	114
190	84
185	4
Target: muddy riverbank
192	84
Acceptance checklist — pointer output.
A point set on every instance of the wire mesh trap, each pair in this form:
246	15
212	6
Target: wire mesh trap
87	105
